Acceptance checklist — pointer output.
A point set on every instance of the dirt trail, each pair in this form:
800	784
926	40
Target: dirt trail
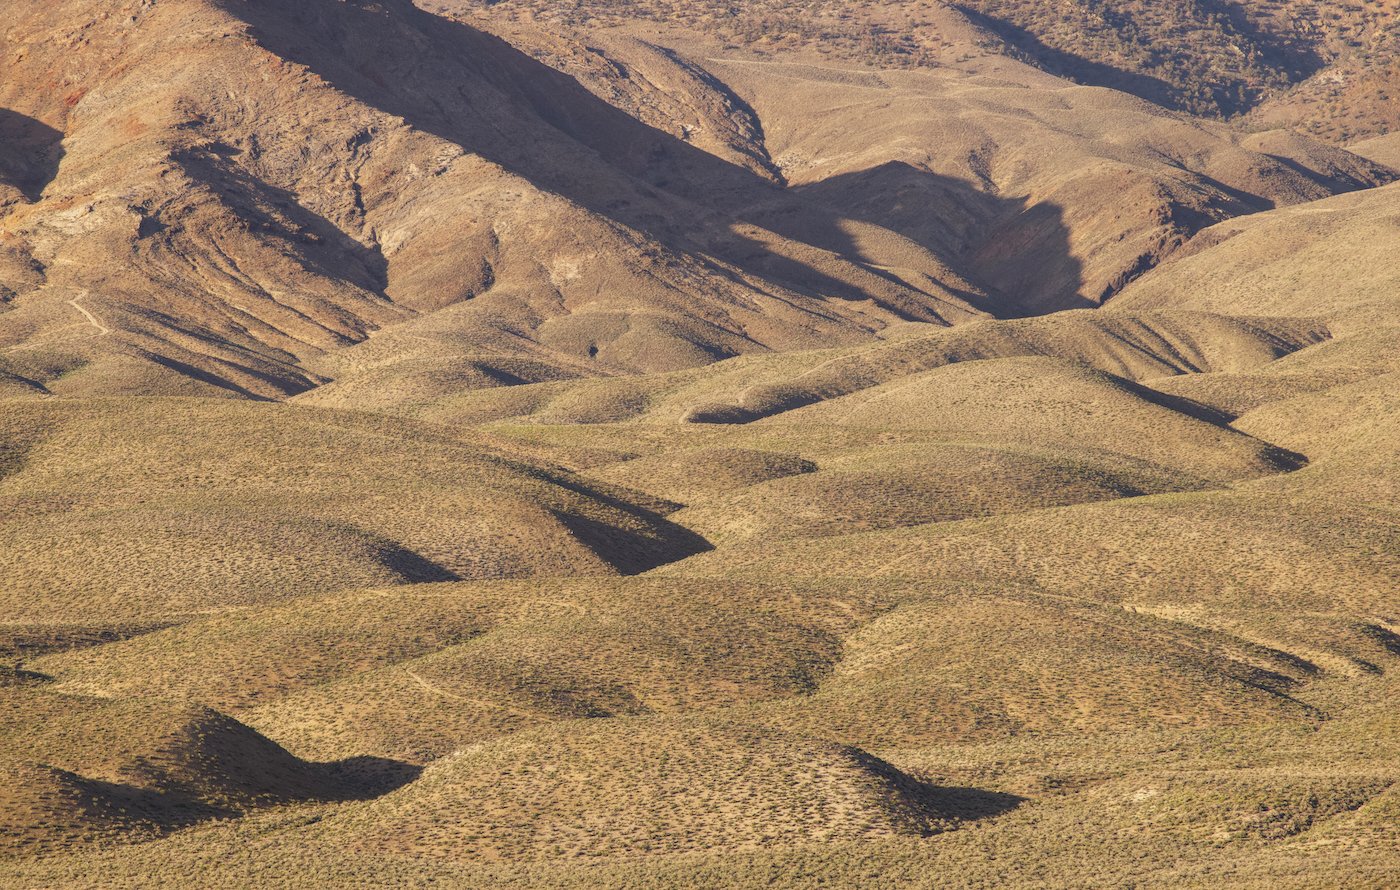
102	330
489	705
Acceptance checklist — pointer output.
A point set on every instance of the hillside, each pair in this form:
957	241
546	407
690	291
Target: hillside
1325	69
143	510
402	244
665	445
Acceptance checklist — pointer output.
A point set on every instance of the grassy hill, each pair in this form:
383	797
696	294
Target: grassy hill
149	509
657	445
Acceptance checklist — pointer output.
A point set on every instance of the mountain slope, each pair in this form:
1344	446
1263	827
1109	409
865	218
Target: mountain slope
1323	69
659	445
234	262
488	218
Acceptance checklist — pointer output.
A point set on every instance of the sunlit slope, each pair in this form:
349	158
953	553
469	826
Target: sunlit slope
1050	196
1048	402
496	213
1381	149
912	483
1016	562
988	418
173	242
1328	258
100	772
417	672
983	757
1291	62
668	445
966	663
148	509
1210	549
1135	346
660	787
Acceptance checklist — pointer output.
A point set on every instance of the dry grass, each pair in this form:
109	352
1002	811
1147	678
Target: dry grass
595	463
900	485
563	792
150	509
1292	62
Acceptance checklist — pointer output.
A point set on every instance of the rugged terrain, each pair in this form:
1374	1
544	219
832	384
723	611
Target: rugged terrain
674	444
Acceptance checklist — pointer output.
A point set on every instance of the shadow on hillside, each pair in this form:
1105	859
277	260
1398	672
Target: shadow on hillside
414	567
1229	97
188	370
975	803
1018	252
163	811
1076	68
30	152
631	552
1341	182
477	91
141	812
939	802
329	250
365	777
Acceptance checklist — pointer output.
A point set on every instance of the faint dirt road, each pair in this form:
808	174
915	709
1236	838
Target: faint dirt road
102	330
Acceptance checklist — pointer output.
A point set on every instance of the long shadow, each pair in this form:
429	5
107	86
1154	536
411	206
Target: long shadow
30	152
1076	68
1386	638
365	777
976	803
329	251
161	811
188	370
143	811
1341	182
322	246
414	566
631	552
1291	57
1285	50
940	802
476	90
1017	253
24	642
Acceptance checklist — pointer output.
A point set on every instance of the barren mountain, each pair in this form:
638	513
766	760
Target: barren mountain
1325	68
495	443
248	223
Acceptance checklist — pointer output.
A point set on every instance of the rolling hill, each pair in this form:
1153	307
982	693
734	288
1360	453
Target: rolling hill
599	444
